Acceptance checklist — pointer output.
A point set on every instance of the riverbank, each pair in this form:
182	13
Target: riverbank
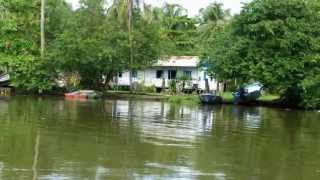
135	95
264	100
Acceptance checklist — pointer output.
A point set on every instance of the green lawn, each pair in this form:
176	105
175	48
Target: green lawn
182	99
228	97
269	97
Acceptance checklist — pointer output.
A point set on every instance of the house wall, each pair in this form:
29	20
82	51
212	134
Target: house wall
148	77
124	80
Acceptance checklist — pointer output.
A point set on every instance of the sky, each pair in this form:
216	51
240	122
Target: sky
193	6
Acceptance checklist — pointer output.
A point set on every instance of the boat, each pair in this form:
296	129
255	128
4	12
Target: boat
248	93
83	94
4	80
210	98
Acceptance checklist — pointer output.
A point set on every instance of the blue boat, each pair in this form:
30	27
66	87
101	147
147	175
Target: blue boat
248	93
210	98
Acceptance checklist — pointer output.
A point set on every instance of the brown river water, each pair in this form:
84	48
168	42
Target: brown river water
53	139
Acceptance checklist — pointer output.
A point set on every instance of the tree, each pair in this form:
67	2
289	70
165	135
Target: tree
19	47
103	46
177	30
276	43
212	18
81	47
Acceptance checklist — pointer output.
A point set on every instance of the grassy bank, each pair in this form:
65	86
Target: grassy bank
269	98
265	98
135	95
178	99
182	99
228	97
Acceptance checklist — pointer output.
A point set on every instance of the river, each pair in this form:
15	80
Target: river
50	138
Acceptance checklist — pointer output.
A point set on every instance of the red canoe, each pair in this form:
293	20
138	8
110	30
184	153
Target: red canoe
75	95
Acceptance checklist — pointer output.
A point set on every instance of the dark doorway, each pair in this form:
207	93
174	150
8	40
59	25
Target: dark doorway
172	74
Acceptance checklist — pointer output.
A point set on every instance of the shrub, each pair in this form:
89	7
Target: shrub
172	86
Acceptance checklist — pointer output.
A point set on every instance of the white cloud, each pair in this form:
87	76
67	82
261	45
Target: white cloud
193	6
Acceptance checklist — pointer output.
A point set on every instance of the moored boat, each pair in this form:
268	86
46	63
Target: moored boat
82	94
4	80
248	93
210	98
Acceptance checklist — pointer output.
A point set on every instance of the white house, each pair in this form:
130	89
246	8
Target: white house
168	69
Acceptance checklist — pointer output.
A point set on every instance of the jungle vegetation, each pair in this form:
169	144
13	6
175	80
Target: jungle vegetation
274	42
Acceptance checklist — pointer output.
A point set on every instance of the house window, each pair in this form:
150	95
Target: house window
120	75
188	74
172	74
134	74
159	74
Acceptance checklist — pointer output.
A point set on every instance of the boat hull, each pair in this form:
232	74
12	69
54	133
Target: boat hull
246	98
75	96
247	94
82	95
210	99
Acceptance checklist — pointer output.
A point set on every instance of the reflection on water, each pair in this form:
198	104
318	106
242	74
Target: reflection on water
162	123
50	138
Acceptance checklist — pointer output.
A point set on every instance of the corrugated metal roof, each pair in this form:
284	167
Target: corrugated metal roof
178	61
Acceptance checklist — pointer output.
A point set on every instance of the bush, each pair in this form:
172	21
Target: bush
29	74
172	86
149	89
311	92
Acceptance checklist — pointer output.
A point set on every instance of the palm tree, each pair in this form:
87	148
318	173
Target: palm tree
42	22
174	10
124	11
171	15
214	13
211	18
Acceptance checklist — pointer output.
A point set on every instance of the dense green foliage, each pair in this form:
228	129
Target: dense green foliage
178	30
271	41
101	47
92	41
276	43
19	48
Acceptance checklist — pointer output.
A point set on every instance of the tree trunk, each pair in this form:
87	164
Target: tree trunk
207	90
130	8
42	22
224	85
163	84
